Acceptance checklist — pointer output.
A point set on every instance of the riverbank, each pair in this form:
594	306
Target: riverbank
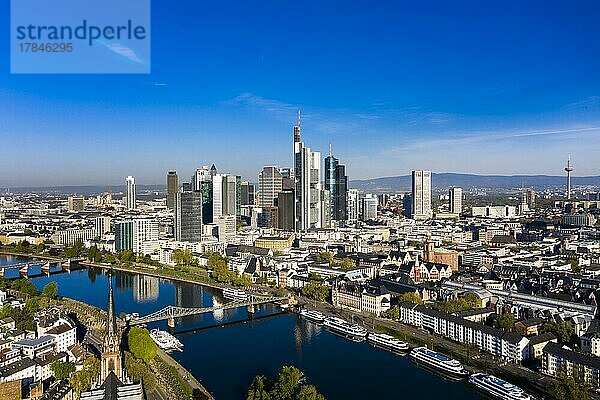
185	380
473	359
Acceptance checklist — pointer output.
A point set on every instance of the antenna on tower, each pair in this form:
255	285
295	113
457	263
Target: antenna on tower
330	152
298	119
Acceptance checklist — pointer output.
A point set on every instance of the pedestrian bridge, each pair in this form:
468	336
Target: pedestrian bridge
169	313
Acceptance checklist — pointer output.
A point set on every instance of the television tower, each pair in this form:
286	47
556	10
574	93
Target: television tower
569	169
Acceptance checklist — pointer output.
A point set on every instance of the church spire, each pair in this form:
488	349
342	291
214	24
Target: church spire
111	323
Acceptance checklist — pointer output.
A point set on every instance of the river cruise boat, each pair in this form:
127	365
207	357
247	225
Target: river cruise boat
235	294
165	340
312	315
439	362
498	388
342	327
388	342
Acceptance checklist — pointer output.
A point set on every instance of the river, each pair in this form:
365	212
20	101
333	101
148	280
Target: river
225	359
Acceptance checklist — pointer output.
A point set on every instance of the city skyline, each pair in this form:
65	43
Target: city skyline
417	85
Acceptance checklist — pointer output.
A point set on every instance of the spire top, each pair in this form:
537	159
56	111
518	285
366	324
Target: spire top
330	152
298	118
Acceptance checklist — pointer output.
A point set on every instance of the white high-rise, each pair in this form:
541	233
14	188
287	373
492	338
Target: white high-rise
369	207
353	205
217	196
130	200
307	168
270	184
421	195
455	200
201	174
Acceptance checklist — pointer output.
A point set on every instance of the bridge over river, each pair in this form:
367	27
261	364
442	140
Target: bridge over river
169	313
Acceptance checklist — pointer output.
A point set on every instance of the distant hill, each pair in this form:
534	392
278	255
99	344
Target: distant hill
446	180
84	190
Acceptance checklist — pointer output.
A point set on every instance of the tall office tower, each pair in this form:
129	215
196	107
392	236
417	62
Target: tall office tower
326	209
135	234
217	197
407	205
369	207
285	210
352	205
247	193
172	188
336	182
267	218
383	199
531	197
227	228
130	200
102	225
270	183
75	203
202	174
455	199
188	216
287	178
231	195
569	169
307	169
421	195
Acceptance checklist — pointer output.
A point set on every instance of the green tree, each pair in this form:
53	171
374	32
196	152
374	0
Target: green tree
570	386
412	297
94	254
316	290
325	257
345	263
309	392
75	250
141	344
24	286
82	380
506	321
140	371
50	291
287	385
562	330
62	369
464	303
313	276
258	390
394	312
574	265
126	256
182	257
109	258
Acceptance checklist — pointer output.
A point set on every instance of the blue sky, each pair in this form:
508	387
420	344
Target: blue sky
505	87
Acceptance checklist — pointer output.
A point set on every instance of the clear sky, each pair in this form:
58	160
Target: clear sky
493	87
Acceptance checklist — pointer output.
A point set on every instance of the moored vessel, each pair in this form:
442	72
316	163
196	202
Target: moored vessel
498	388
165	340
388	342
235	294
439	362
313	315
342	327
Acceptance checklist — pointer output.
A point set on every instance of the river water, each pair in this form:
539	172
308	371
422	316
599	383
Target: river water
225	359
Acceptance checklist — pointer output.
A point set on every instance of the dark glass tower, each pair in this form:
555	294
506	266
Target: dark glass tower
336	182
